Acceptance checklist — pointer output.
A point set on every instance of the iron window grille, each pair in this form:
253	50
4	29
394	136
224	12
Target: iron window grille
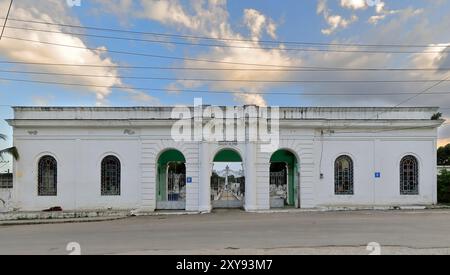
176	182
47	176
278	181
6	181
409	176
110	180
343	176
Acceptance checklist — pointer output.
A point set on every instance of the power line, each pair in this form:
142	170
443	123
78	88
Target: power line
207	91
227	46
6	19
220	80
149	55
295	69
178	36
424	91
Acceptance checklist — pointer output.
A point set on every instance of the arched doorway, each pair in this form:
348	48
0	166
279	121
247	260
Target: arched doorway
283	179
227	180
171	181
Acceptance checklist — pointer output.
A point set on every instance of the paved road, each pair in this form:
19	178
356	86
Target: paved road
235	232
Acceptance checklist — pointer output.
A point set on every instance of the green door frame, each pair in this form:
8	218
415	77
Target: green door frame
285	156
164	159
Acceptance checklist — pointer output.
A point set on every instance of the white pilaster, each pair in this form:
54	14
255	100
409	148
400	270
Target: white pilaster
205	174
250	176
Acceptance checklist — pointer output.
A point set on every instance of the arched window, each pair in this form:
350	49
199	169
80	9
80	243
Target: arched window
343	176
409	176
47	176
110	176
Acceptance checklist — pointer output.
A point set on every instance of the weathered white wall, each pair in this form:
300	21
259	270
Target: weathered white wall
79	154
379	152
79	146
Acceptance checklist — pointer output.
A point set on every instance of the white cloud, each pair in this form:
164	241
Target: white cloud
354	4
249	98
41	53
382	12
56	11
117	7
321	6
211	18
167	12
380	6
256	22
440	57
334	21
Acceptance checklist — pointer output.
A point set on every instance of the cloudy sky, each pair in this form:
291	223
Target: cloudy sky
157	52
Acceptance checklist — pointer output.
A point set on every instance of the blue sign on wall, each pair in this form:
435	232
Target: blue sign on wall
189	180
377	175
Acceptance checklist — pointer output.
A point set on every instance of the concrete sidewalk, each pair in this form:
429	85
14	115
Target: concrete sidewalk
27	218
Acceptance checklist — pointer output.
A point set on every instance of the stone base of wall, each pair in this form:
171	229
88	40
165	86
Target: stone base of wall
17	216
5	200
170	205
276	203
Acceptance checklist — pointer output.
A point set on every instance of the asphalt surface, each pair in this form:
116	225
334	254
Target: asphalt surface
237	232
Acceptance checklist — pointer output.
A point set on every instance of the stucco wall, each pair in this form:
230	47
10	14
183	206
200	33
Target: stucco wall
79	146
371	153
79	154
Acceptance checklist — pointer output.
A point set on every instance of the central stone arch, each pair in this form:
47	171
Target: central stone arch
227	180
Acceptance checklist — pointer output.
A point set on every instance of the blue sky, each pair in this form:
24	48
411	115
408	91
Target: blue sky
333	21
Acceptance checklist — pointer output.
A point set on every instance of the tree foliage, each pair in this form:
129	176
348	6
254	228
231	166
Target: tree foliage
443	182
443	155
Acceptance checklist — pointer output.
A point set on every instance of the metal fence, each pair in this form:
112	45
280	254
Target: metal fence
6	181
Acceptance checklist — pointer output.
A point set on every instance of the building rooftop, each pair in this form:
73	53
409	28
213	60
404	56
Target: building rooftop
114	113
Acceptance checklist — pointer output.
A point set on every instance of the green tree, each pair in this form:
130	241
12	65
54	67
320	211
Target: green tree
443	182
443	155
9	151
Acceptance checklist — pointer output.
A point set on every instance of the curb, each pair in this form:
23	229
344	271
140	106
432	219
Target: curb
348	209
60	221
63	215
156	213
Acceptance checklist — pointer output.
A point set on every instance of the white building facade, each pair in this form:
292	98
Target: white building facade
84	158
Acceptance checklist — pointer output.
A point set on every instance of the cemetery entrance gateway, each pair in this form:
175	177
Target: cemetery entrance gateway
227	180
